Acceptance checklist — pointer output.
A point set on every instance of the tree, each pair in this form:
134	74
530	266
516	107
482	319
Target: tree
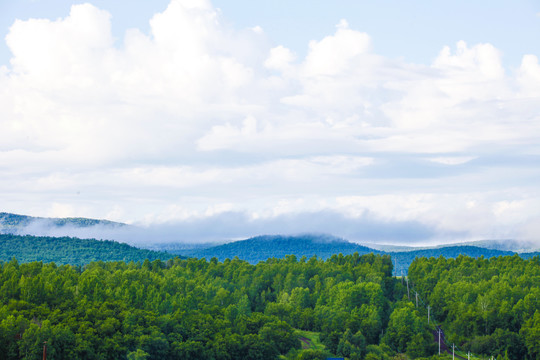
420	346
280	335
312	354
137	355
531	334
404	324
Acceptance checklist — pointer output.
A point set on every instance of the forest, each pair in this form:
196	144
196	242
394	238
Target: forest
491	306
70	250
345	306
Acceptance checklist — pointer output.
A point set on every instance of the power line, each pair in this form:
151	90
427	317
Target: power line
428	307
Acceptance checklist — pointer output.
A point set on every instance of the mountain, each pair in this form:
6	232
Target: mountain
392	248
261	248
505	245
180	248
73	251
519	246
53	245
14	223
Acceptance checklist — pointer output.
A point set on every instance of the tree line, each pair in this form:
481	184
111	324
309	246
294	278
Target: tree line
206	309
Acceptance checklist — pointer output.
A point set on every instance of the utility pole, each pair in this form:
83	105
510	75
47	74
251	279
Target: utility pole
453	351
439	331
428	308
44	350
408	293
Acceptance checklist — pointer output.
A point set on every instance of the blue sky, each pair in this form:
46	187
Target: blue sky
415	30
383	121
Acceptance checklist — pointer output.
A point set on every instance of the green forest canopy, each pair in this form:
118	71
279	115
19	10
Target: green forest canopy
73	251
205	309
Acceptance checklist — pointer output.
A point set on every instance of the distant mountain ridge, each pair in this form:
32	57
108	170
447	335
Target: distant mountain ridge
263	247
504	245
14	223
252	250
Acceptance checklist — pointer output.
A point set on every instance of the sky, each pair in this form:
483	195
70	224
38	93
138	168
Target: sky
396	122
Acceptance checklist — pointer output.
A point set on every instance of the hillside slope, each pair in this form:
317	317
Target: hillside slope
261	248
14	223
73	251
48	241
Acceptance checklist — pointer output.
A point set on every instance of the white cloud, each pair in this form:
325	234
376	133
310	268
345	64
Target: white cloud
69	50
529	76
280	58
197	119
335	54
483	60
479	215
452	160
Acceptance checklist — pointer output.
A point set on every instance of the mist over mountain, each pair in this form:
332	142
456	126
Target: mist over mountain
16	221
46	236
261	248
225	228
520	246
41	226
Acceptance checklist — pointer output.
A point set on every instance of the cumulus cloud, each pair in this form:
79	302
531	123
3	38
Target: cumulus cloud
280	58
197	119
335	54
529	76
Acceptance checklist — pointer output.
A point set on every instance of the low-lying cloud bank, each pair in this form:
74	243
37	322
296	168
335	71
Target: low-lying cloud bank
232	226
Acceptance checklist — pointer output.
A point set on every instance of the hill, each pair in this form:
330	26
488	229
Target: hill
73	251
261	248
14	223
